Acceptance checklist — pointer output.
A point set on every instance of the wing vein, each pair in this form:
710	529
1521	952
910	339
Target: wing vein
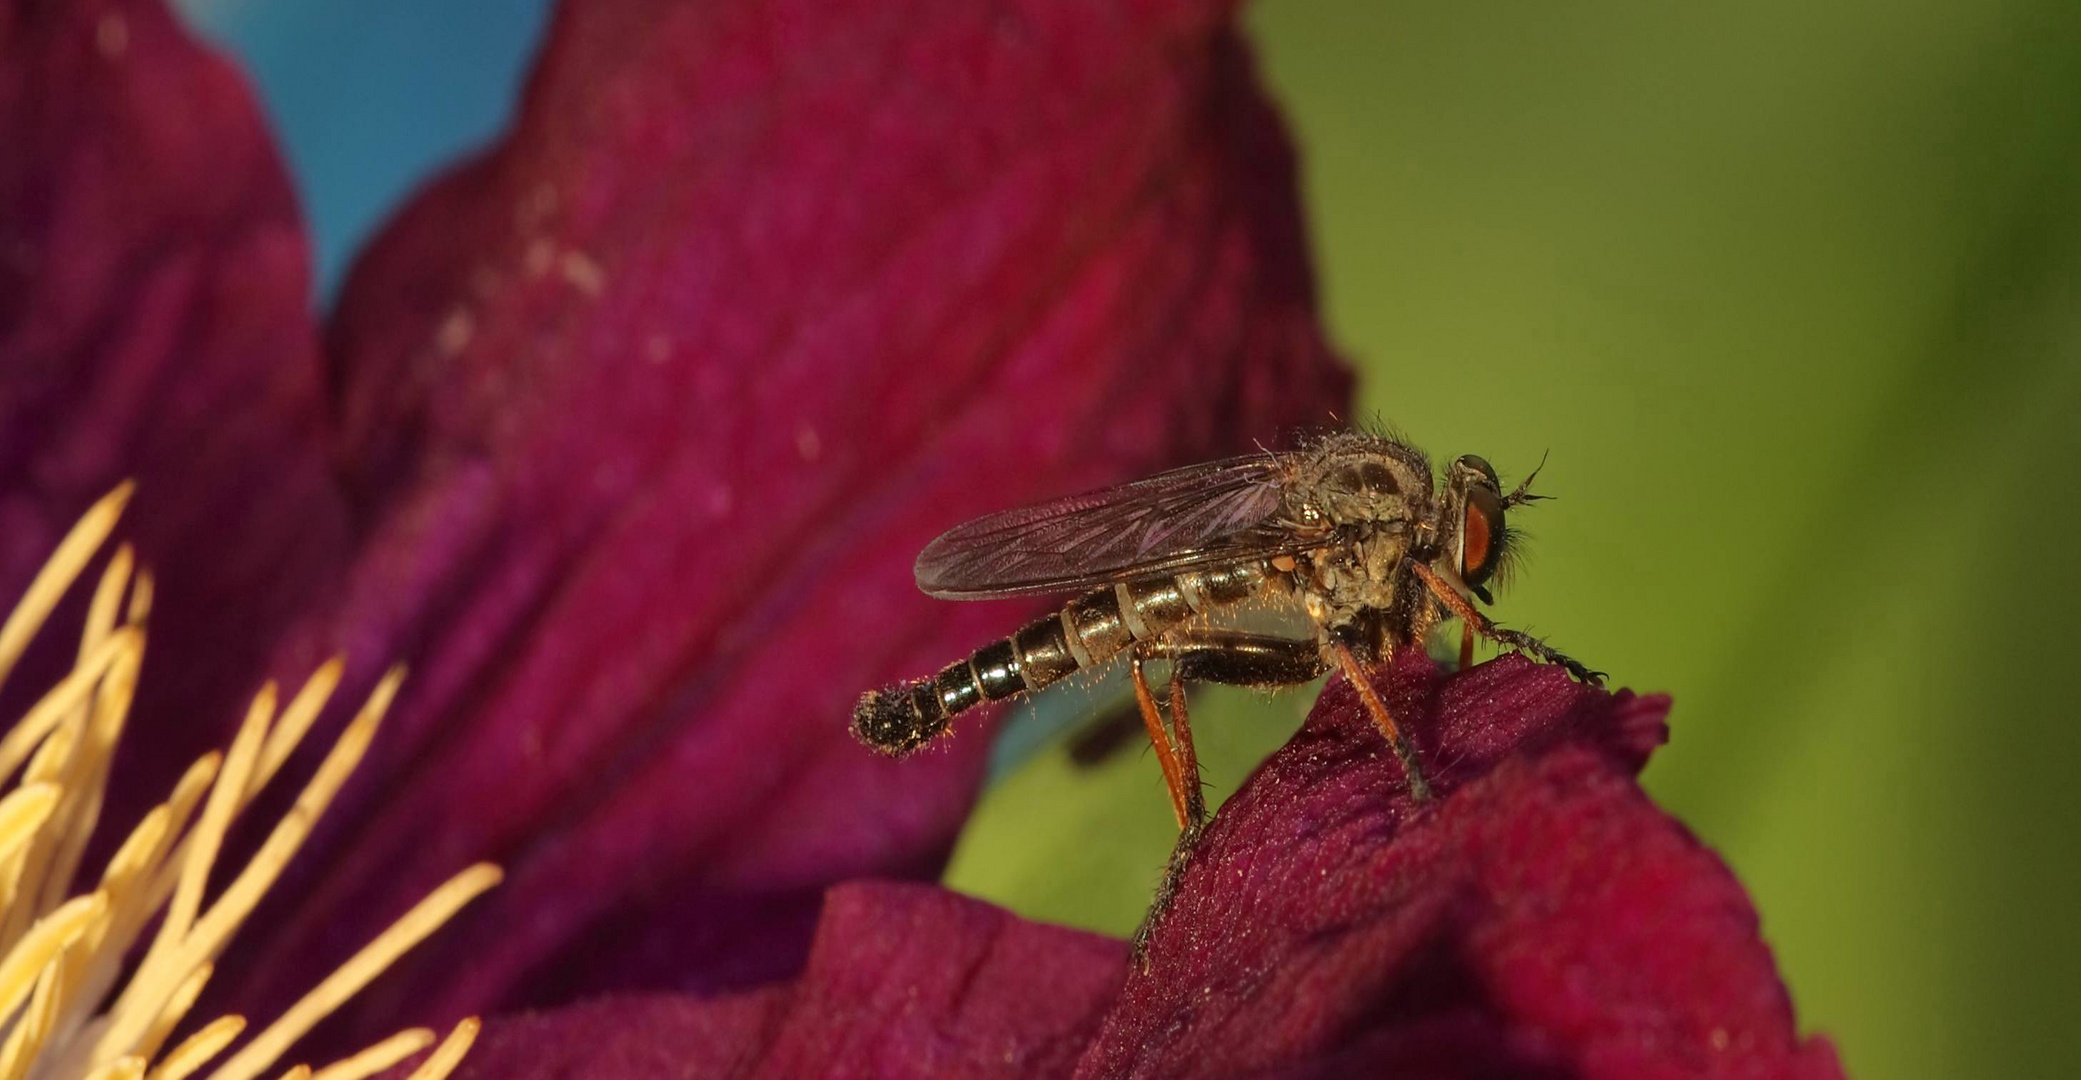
1201	515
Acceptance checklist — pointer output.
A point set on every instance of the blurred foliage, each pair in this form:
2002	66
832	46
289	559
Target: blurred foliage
1789	291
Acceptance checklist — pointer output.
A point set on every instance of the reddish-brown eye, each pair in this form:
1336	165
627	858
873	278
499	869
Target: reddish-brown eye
1481	535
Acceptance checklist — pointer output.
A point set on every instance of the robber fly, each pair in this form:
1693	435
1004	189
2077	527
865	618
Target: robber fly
1351	529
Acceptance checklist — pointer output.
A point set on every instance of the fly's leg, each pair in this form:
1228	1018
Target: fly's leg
1188	810
1480	624
1186	797
1230	658
1209	656
1355	674
1188	760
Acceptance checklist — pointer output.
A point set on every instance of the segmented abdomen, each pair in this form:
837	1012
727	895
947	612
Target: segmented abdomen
1087	632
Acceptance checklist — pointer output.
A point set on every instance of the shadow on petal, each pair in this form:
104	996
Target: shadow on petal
903	980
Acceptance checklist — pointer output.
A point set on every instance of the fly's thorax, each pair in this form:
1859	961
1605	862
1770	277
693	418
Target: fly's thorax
1338	584
1358	484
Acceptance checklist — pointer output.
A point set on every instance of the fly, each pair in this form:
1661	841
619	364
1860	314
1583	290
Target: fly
1351	529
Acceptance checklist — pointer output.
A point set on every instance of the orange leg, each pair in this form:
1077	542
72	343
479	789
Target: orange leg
1355	674
1451	598
1188	760
1480	624
1466	646
1181	772
1166	755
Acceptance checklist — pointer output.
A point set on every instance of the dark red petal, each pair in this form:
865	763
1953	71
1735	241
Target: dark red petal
902	981
653	407
1541	918
154	323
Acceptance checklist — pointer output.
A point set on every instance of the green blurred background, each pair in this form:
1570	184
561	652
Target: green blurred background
1789	292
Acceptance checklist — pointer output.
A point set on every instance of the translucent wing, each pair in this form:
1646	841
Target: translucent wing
1191	517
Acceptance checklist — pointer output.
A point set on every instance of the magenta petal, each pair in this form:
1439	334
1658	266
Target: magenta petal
902	981
1542	918
155	324
653	406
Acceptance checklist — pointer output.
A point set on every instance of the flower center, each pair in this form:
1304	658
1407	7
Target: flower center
68	1010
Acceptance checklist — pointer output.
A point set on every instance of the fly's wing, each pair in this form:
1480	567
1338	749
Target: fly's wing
1197	516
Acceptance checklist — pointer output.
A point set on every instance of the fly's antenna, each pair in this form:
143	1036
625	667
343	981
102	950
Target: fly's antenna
1522	494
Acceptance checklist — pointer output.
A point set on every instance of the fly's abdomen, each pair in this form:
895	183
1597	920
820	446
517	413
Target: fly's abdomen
1090	630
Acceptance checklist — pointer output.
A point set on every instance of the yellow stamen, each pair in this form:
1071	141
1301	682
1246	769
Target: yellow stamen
176	1009
43	943
108	600
297	718
62	1016
379	1057
196	1050
140	599
88	773
62	699
51	582
23	812
441	1062
417	923
28	1035
134	856
123	1068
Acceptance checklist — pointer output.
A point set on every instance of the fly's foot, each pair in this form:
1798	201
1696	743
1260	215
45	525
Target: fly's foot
1587	675
1524	642
1166	891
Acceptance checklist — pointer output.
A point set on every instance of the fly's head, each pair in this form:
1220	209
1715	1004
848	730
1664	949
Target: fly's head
1473	539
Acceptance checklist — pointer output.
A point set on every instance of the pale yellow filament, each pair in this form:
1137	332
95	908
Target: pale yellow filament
128	1067
57	575
63	1015
379	1057
443	1061
34	1027
356	972
176	1008
196	1050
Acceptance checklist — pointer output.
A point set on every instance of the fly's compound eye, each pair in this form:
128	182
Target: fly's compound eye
1481	536
1480	466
